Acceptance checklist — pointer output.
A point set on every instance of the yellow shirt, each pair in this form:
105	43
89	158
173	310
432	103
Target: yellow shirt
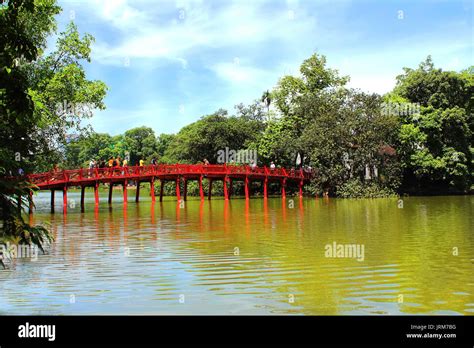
124	163
142	162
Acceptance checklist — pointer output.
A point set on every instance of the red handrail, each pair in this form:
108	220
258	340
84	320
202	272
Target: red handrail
84	174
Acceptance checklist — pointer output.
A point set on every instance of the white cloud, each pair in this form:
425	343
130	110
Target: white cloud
144	34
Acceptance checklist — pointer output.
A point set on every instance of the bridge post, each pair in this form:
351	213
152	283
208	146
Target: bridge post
52	201
152	189
185	194
301	188
162	184
82	197
226	194
246	184
283	191
201	191
137	194
178	194
64	198
125	195
96	193
265	184
210	189
111	187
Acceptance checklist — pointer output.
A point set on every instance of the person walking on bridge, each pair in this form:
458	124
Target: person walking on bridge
253	165
92	165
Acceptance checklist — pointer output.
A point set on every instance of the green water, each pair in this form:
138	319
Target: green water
259	257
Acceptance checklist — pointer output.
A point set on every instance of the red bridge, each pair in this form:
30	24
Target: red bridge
62	180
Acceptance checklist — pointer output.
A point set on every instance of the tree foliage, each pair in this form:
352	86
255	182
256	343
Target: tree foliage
65	96
24	26
205	137
436	145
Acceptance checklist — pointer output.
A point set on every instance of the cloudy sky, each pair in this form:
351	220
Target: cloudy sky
167	63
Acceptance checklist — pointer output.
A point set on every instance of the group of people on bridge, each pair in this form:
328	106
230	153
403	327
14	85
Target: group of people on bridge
117	162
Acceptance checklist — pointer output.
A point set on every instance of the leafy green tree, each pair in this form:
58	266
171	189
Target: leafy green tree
141	143
346	137
253	112
280	139
96	146
25	26
279	143
436	143
212	133
434	87
315	76
63	94
72	154
163	142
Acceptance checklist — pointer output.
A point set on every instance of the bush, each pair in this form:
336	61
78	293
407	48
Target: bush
354	188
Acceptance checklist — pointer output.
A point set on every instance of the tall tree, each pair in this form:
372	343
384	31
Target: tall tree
64	95
280	140
437	143
24	26
347	139
207	136
140	143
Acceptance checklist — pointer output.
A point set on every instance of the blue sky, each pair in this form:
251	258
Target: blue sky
167	63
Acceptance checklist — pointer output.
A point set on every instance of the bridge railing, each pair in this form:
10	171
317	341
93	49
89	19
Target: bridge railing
214	169
238	169
42	178
83	174
191	169
167	169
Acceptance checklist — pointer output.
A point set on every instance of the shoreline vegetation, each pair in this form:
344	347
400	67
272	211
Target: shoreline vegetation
416	138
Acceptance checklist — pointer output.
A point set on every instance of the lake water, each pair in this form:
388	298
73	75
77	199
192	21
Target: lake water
257	257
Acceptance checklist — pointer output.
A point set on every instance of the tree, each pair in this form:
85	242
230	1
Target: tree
315	76
434	87
162	144
24	28
280	141
140	143
63	93
345	140
253	112
212	133
436	143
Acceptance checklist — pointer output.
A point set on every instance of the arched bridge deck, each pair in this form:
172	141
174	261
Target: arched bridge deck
178	173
